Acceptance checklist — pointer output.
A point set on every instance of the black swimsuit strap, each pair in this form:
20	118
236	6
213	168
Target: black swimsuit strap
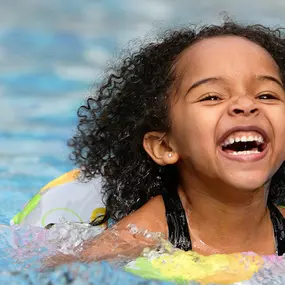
178	232
278	223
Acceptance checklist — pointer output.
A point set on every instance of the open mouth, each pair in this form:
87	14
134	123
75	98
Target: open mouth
244	144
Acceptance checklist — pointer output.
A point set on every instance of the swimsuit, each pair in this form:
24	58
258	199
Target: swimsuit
178	232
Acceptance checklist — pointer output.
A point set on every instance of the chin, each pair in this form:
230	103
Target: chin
248	181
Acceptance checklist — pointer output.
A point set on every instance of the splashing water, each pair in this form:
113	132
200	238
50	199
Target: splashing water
22	251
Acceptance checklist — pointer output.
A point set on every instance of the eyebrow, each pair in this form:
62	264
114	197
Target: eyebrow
215	79
203	81
270	78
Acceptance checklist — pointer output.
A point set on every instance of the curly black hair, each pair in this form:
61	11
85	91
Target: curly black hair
132	101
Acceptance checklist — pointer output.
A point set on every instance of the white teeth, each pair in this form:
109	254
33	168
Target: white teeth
245	152
260	139
237	139
232	140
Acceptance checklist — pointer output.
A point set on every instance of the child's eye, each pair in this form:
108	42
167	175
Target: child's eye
211	98
267	96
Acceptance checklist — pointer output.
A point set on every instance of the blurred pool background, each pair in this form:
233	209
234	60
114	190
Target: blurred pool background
52	52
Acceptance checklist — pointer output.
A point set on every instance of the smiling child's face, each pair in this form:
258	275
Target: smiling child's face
228	112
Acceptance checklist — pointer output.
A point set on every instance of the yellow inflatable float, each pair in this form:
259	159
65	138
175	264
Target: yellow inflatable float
182	267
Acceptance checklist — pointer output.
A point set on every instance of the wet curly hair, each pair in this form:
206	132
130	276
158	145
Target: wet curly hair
133	100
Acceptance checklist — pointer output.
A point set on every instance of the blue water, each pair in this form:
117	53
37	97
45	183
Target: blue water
51	53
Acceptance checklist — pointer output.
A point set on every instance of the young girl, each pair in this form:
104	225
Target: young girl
188	135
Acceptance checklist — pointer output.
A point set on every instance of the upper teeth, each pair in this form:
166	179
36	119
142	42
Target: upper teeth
232	140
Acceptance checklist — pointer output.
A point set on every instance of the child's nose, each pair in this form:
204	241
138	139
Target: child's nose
245	106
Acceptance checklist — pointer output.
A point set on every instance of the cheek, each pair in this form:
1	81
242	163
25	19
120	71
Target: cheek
277	120
193	132
280	138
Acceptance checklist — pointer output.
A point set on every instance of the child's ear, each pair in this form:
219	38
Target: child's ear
158	148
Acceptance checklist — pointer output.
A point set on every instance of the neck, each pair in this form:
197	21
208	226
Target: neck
230	223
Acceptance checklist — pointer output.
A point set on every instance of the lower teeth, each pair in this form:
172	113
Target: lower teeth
245	152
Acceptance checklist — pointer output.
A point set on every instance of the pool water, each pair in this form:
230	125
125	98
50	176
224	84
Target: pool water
51	54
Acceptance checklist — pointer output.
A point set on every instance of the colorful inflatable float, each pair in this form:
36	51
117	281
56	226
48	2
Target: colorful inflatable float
183	267
63	199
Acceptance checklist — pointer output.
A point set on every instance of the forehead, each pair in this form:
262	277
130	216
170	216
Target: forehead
225	55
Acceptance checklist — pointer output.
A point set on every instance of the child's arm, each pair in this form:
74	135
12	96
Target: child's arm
127	239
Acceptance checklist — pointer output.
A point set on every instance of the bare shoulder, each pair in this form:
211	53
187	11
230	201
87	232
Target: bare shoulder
150	216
